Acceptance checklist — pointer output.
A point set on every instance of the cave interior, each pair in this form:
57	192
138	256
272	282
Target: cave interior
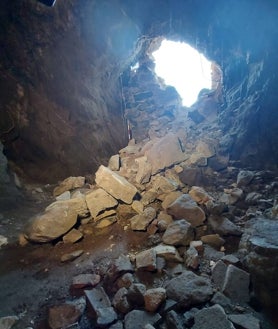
80	99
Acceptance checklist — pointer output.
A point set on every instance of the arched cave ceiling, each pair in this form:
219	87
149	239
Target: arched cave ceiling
61	107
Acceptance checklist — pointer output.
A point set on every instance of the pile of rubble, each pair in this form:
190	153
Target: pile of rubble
197	280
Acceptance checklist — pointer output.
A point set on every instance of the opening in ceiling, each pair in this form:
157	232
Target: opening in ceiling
184	68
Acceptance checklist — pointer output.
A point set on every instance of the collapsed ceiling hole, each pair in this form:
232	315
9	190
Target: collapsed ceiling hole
184	68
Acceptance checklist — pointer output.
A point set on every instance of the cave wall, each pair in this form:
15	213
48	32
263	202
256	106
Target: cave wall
60	80
61	110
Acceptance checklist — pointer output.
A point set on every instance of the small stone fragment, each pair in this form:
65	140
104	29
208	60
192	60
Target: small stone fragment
223	226
136	294
218	274
71	256
146	260
120	301
154	298
199	195
85	280
169	253
72	236
105	316
140	222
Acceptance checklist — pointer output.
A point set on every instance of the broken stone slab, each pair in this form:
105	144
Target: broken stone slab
72	236
184	207
69	184
178	233
137	319
206	148
244	177
199	195
99	200
115	185
224	226
144	172
114	162
154	298
214	240
236	284
189	289
165	152
230	259
85	280
213	317
140	222
77	205
7	322
146	260
52	224
245	321
71	256
169	253
62	316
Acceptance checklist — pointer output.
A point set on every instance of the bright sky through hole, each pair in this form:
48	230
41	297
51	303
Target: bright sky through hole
184	68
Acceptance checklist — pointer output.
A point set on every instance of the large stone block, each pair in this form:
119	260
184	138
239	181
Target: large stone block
165	152
184	207
99	200
178	233
189	289
115	185
52	224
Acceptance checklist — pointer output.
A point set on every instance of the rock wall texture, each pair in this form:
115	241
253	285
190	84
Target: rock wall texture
61	94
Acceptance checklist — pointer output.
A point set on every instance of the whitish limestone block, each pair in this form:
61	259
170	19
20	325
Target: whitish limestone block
99	200
115	185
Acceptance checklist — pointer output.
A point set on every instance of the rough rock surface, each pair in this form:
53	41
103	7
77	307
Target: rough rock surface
213	317
115	185
99	200
178	233
184	207
52	224
68	184
189	289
